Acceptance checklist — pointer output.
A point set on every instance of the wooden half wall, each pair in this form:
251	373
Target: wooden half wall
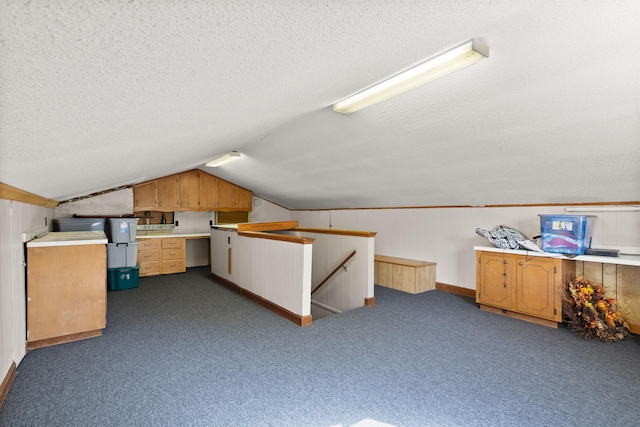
273	268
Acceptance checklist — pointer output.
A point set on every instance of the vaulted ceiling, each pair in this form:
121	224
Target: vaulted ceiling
100	94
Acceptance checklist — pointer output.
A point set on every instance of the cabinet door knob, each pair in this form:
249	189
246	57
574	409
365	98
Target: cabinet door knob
505	261
521	263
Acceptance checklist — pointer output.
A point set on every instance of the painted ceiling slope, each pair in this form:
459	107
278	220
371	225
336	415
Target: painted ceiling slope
99	94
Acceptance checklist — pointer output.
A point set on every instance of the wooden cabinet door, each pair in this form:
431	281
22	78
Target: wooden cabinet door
168	194
189	194
145	197
208	192
242	199
233	198
495	280
535	288
225	195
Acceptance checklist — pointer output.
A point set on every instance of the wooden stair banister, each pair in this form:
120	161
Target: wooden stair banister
326	279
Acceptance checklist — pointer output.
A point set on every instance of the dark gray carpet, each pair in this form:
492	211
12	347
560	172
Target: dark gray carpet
182	350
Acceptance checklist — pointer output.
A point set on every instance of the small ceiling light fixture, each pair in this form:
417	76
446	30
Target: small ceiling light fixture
221	160
444	63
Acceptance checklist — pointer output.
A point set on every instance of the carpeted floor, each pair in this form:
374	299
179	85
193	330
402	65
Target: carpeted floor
182	350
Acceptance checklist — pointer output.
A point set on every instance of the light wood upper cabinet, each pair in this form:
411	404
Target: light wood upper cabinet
145	197
189	194
224	194
208	192
193	190
169	194
233	198
242	199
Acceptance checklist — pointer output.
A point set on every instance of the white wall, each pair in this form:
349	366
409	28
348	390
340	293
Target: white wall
115	203
447	235
442	235
15	219
263	210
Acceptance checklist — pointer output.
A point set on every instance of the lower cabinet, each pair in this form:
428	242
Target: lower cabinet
66	293
528	287
165	255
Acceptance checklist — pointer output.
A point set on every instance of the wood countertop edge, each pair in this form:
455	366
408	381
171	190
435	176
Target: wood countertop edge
355	233
280	237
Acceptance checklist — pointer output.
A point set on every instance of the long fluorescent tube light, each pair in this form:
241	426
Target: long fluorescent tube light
225	158
444	63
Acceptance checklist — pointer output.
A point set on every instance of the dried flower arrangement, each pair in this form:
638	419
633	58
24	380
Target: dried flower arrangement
587	312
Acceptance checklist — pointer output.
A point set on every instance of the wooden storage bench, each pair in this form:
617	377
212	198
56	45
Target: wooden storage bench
405	275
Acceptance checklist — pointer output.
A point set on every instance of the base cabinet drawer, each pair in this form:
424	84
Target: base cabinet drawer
172	254
148	256
163	255
150	268
172	243
173	266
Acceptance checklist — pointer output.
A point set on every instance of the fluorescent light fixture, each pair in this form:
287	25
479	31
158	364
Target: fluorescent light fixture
225	158
444	63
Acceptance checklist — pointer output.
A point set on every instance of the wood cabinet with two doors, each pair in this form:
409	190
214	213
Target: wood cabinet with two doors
193	190
527	287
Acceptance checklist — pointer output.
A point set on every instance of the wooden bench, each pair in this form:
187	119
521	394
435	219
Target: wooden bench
405	275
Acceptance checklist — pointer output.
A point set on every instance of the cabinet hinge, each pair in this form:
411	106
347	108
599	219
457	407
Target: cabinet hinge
554	269
555	311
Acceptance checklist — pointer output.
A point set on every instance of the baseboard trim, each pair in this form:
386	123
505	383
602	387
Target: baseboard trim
7	382
370	302
295	318
634	329
465	292
514	315
64	339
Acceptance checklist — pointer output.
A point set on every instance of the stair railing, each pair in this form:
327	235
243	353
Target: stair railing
326	279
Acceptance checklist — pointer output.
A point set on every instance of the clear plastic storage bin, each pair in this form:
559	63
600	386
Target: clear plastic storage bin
122	230
122	255
566	234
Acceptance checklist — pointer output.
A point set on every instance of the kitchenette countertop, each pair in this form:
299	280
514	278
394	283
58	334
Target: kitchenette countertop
69	238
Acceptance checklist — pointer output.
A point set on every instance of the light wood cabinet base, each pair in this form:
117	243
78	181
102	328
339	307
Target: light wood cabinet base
64	339
521	316
166	255
66	293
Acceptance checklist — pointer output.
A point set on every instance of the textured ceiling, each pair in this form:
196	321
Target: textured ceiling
99	94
